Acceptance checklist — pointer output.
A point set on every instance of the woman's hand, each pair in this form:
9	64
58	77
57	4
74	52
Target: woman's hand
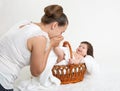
54	42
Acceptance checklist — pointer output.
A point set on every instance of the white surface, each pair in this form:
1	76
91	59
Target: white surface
108	80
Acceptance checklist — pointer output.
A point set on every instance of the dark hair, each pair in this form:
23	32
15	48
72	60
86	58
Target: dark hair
89	48
54	13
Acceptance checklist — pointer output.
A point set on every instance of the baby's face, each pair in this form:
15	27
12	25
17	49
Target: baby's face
82	49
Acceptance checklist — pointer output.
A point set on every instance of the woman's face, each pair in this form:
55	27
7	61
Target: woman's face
57	31
82	49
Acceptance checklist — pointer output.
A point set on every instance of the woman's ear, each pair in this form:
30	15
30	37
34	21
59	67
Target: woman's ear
54	25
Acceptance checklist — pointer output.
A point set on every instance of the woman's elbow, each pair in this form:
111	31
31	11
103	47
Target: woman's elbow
36	73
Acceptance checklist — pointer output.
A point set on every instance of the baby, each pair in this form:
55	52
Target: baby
84	49
83	54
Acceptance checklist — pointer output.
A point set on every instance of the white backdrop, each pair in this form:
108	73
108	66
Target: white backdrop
97	21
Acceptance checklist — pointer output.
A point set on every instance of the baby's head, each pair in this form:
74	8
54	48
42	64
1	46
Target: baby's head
85	48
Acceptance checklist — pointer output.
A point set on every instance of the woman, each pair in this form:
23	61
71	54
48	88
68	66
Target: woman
30	44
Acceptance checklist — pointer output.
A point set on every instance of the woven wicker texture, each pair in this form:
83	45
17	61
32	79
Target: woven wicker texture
70	73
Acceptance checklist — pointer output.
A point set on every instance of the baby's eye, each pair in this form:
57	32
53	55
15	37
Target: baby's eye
83	47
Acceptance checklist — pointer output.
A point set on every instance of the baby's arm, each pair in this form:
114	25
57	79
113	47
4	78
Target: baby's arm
60	54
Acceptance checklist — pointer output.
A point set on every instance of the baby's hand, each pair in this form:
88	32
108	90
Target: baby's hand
74	61
76	58
71	61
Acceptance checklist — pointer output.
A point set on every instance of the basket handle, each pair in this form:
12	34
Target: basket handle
67	44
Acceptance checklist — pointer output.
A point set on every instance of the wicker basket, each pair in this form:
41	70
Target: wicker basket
70	73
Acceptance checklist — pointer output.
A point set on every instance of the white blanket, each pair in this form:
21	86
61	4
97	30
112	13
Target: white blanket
44	81
47	80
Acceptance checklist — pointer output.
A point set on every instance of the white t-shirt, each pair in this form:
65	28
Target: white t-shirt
14	54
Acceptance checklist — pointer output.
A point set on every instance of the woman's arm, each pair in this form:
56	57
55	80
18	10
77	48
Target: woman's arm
39	53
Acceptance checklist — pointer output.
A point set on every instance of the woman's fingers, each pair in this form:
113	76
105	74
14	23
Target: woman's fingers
56	40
